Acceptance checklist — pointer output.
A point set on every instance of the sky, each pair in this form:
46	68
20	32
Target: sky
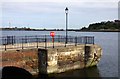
50	14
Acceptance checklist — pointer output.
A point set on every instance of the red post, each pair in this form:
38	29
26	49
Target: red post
52	39
52	34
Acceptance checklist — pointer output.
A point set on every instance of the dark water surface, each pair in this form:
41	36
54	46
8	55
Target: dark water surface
108	65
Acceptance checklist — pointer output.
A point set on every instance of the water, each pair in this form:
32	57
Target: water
108	65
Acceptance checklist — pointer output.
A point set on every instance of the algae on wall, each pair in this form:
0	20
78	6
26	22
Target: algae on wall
61	59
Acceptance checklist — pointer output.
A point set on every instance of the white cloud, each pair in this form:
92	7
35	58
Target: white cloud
42	11
0	15
95	4
60	0
41	7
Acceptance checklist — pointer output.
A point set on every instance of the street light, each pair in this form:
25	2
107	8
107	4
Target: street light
66	11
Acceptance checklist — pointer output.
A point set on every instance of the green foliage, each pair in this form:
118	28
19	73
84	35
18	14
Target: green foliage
109	25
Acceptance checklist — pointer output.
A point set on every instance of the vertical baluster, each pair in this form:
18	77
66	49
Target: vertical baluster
76	41
45	42
22	43
37	41
5	44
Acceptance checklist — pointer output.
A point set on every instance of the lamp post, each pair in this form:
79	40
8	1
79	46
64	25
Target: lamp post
66	11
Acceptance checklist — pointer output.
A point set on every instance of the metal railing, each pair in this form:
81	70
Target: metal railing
41	41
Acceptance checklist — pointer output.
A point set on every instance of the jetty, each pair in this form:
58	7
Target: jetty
43	54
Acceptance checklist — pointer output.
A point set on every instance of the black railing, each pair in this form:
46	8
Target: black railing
45	41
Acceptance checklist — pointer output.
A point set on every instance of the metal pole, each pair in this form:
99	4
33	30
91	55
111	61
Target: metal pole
93	40
45	42
53	41
37	41
22	43
5	44
58	38
66	25
76	41
14	40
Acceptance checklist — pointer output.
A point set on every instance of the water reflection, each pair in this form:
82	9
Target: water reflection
15	73
19	73
87	73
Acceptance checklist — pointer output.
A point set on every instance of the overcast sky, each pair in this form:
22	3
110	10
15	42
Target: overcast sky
51	13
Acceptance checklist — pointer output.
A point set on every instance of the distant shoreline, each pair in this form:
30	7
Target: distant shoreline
69	30
105	26
100	31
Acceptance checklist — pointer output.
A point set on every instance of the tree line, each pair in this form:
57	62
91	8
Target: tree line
103	26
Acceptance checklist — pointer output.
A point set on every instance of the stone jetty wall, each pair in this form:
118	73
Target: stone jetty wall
61	59
26	59
53	60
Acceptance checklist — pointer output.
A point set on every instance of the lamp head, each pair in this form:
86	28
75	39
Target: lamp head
66	10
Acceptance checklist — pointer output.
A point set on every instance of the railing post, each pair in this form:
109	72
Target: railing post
7	40
58	38
85	40
25	39
22	43
14	39
65	43
53	41
5	44
37	41
45	42
93	39
76	41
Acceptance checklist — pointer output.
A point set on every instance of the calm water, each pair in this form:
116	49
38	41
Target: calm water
108	65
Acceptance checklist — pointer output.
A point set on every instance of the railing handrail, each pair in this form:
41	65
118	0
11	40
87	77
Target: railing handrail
7	40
